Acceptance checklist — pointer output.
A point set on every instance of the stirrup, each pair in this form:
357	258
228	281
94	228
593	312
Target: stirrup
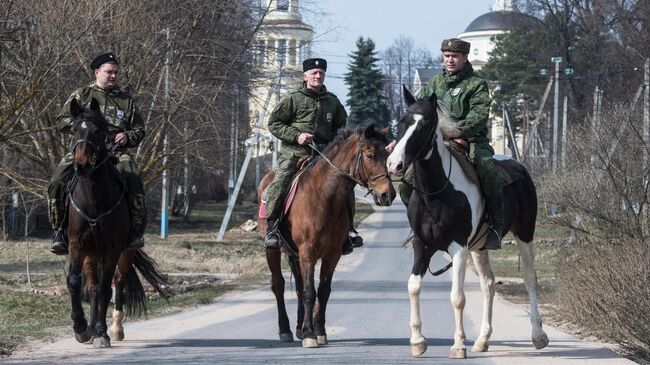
59	244
272	241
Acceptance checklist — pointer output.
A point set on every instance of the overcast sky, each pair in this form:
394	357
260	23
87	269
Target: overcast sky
427	22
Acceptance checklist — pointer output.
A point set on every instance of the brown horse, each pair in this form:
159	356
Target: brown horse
97	230
317	224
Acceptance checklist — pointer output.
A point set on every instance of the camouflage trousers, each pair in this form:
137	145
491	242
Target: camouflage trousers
279	187
480	154
129	172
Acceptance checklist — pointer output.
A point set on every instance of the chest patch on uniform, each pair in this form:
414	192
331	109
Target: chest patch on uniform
329	117
120	114
455	91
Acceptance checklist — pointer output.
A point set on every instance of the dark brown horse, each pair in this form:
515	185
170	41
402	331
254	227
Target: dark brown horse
317	224
97	230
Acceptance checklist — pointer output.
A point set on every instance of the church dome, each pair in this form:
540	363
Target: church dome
500	20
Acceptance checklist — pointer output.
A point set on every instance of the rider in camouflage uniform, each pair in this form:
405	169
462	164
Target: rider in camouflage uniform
308	113
468	100
126	131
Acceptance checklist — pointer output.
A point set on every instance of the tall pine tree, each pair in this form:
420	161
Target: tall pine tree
366	84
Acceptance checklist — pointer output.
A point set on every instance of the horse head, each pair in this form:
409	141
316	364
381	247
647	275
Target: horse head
371	167
89	129
416	132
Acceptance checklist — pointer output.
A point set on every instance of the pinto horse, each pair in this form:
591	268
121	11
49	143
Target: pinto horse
97	230
317	224
446	213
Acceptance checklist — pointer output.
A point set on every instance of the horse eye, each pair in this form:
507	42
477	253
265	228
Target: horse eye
370	156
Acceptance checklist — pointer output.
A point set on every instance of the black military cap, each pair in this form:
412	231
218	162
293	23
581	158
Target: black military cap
102	59
455	45
310	63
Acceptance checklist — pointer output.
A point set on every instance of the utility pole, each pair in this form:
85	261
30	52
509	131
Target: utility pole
164	204
557	60
564	131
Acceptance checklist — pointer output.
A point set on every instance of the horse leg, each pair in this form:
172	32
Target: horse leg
90	272
295	269
124	265
482	264
273	260
421	259
308	298
80	326
457	296
103	298
324	289
527	252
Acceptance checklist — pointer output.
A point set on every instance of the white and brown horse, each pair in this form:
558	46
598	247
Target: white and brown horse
446	213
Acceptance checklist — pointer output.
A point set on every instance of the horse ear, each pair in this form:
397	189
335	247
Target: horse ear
75	108
433	99
370	132
408	97
94	106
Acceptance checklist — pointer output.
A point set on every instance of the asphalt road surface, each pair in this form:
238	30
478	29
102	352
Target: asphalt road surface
367	321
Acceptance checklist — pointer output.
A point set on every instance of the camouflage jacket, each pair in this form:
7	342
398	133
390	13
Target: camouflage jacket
304	110
468	99
117	107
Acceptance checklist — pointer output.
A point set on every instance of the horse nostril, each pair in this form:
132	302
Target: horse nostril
399	166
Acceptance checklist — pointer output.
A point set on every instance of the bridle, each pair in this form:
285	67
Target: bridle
434	143
94	166
358	165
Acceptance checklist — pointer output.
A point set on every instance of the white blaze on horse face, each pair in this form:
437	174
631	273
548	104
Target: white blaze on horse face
83	125
398	155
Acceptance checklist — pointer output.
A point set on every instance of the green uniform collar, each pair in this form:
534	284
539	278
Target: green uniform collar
311	93
451	80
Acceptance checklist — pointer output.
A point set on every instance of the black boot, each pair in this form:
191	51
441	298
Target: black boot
59	244
351	243
495	211
272	239
135	240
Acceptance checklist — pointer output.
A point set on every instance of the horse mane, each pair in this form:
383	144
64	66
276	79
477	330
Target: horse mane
333	147
441	112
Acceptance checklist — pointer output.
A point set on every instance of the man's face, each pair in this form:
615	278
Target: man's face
314	78
454	61
106	75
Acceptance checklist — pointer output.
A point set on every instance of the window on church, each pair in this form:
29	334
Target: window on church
281	52
283	5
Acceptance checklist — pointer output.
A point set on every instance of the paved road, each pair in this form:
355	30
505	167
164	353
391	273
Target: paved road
368	319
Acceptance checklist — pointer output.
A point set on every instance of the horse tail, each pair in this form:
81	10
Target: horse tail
135	297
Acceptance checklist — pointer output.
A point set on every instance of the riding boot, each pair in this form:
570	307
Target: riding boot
495	211
56	211
59	243
138	213
272	239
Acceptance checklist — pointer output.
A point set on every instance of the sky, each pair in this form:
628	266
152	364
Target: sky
427	22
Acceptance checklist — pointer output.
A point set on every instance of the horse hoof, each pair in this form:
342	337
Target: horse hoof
116	334
299	333
480	347
101	342
309	343
418	349
83	337
322	340
458	354
286	337
540	342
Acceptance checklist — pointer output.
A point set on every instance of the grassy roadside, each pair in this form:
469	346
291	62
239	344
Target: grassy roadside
36	307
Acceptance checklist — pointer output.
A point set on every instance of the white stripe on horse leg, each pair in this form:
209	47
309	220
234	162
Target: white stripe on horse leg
457	297
527	252
482	264
418	342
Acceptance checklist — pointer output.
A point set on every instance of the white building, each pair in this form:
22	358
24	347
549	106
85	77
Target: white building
281	44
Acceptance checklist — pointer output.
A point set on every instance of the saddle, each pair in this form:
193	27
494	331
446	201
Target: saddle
303	165
459	148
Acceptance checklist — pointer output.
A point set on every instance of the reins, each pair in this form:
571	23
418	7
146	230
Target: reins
358	164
